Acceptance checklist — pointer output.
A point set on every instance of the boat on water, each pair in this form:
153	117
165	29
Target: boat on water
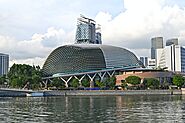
35	94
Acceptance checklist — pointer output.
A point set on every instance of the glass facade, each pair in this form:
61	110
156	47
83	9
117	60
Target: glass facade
156	43
172	41
4	64
81	58
118	57
86	31
182	59
98	38
144	60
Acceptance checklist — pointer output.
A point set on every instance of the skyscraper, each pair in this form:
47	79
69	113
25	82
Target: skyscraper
86	31
98	38
156	43
144	60
4	64
98	34
172	41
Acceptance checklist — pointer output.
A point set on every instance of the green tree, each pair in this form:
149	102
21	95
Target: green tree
22	74
151	83
85	82
100	84
134	80
178	80
110	82
16	83
3	80
124	84
35	81
57	83
75	83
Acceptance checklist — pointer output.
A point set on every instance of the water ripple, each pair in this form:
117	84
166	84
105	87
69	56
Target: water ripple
103	109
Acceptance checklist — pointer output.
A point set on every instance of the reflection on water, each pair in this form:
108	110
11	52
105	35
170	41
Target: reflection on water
163	108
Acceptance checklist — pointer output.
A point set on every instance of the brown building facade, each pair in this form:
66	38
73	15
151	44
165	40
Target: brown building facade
143	73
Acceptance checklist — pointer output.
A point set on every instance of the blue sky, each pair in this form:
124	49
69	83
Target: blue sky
31	29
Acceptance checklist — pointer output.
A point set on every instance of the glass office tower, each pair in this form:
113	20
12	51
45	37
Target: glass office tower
156	43
4	64
86	31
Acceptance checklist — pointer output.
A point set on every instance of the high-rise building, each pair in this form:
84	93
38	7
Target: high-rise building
144	60
98	38
156	43
172	58
4	64
151	63
148	62
86	31
172	41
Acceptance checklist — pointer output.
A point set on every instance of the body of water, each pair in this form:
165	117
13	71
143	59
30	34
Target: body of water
91	109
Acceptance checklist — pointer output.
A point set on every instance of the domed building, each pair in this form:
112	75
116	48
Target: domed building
77	58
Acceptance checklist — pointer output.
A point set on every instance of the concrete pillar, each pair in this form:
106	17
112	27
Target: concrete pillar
110	74
101	76
91	84
66	81
45	83
91	80
142	79
80	80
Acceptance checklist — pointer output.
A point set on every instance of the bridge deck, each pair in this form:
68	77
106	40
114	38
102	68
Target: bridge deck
88	72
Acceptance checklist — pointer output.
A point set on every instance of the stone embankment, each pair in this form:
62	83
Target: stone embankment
91	93
111	92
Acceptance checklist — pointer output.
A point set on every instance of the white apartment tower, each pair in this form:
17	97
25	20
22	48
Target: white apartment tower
172	58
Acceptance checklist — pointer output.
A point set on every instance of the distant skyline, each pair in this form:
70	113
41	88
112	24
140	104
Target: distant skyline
31	29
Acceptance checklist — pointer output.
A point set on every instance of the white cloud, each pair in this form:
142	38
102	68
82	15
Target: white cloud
103	18
53	37
132	28
142	20
36	49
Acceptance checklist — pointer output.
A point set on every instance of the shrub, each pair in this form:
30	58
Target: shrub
151	83
134	80
178	80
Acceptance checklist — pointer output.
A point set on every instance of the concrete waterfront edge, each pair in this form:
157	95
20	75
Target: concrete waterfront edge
111	92
94	93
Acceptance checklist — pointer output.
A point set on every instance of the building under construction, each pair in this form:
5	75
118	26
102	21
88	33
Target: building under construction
87	32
